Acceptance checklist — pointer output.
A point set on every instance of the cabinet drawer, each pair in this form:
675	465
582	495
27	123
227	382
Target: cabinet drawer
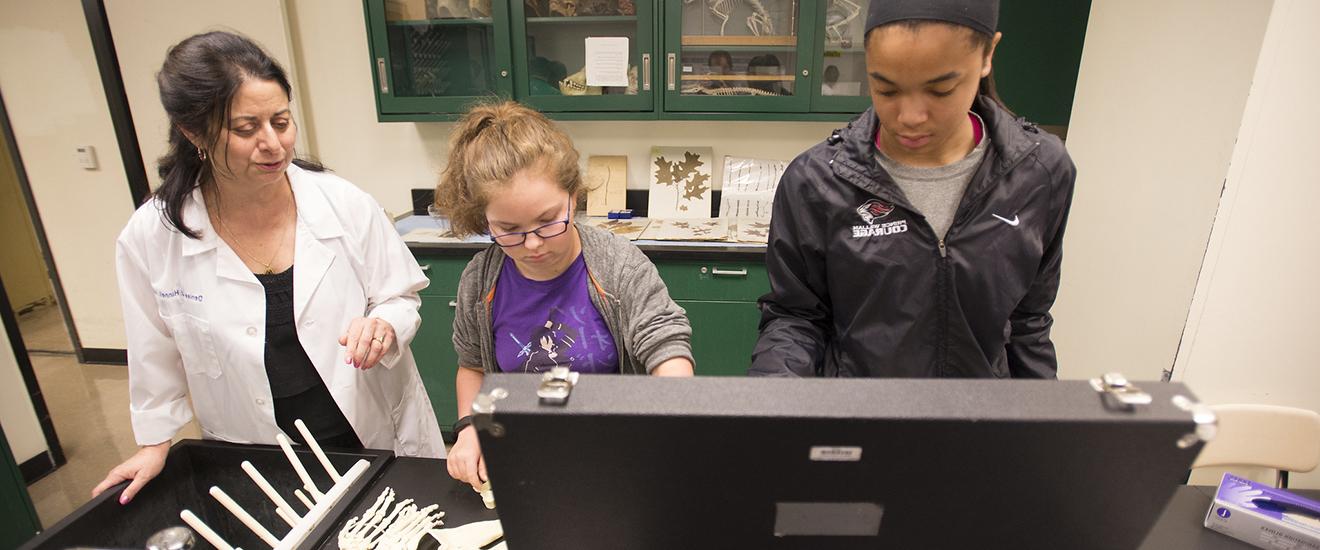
729	281
443	273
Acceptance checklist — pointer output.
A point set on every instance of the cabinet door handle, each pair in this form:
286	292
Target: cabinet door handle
672	60
453	303
424	267
384	77
728	272
646	72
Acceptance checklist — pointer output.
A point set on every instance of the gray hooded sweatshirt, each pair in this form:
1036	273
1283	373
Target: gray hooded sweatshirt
648	327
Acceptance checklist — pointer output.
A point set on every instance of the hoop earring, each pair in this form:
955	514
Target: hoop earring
201	154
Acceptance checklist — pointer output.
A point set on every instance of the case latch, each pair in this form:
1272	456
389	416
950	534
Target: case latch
1118	393
556	386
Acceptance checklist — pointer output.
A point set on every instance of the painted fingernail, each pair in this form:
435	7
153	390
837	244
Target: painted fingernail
123	499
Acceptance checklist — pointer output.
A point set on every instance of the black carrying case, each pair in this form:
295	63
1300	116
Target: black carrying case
193	466
664	463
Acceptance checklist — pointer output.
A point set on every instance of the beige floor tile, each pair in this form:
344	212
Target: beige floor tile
43	330
89	407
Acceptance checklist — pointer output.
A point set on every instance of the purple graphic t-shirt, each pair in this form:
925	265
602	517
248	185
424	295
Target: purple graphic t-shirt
543	324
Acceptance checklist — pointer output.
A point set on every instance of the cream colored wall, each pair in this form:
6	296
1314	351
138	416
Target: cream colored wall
22	268
145	29
1159	100
388	159
53	93
17	415
1252	333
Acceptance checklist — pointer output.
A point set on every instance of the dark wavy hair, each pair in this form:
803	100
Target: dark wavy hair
197	83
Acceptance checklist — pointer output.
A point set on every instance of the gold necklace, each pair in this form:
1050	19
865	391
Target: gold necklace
219	216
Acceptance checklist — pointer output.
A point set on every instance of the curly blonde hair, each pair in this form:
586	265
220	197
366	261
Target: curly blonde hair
493	142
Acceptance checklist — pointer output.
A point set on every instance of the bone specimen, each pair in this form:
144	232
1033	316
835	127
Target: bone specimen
381	529
563	8
837	17
758	22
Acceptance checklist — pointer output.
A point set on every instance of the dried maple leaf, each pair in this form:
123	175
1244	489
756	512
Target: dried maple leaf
695	188
664	174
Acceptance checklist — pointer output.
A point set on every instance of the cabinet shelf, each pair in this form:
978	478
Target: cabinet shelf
761	41
631	19
439	22
740	78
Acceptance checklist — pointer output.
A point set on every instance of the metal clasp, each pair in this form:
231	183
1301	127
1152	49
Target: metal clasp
1207	423
556	386
483	412
1118	393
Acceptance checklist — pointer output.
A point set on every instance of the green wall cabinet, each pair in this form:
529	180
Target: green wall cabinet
687	59
719	297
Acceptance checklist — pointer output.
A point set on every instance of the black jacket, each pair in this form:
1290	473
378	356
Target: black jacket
861	286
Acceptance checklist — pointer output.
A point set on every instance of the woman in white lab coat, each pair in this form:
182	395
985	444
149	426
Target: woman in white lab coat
216	312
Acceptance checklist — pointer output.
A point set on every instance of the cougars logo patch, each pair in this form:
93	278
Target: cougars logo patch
873	210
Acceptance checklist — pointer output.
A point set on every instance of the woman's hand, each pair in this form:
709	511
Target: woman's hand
465	461
366	341
140	468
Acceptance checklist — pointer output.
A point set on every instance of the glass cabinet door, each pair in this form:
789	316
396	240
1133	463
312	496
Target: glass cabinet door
554	39
737	55
840	58
437	56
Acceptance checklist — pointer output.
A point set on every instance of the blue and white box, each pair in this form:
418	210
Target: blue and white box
1264	516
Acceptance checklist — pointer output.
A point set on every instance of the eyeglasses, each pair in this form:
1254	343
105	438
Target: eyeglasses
552	229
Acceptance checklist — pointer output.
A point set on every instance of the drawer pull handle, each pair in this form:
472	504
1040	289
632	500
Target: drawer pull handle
728	272
424	267
646	72
453	303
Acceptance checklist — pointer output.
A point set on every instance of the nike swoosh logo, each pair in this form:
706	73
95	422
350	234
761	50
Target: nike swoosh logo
1013	222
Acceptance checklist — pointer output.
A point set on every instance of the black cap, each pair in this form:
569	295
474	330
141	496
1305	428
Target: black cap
980	15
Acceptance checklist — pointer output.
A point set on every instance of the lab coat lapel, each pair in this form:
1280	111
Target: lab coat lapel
227	263
311	261
316	225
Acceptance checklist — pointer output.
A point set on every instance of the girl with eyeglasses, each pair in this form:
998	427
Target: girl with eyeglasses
549	292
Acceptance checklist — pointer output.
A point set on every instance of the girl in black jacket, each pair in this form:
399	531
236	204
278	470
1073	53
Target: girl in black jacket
925	239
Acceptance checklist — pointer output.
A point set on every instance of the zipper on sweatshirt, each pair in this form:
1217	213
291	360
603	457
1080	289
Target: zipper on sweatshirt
944	251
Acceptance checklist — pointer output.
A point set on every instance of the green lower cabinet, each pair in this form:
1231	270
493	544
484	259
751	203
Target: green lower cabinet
434	350
723	335
21	521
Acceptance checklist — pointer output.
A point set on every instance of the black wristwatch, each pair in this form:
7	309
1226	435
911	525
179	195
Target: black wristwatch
462	423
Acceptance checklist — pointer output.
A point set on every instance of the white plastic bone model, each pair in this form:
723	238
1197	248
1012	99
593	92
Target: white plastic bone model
379	528
401	529
318	505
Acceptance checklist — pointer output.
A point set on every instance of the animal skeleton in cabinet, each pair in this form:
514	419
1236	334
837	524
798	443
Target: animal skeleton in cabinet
758	22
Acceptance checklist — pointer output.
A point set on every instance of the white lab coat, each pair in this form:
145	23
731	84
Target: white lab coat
196	321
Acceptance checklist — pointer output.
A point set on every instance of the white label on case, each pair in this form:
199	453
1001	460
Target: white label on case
836	454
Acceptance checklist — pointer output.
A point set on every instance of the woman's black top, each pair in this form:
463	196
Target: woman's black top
295	385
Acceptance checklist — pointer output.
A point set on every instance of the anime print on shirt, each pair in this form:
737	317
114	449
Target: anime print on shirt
539	325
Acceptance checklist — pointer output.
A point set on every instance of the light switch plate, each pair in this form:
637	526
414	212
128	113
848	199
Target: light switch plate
87	157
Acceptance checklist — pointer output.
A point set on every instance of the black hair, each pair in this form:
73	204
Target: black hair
198	81
976	39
